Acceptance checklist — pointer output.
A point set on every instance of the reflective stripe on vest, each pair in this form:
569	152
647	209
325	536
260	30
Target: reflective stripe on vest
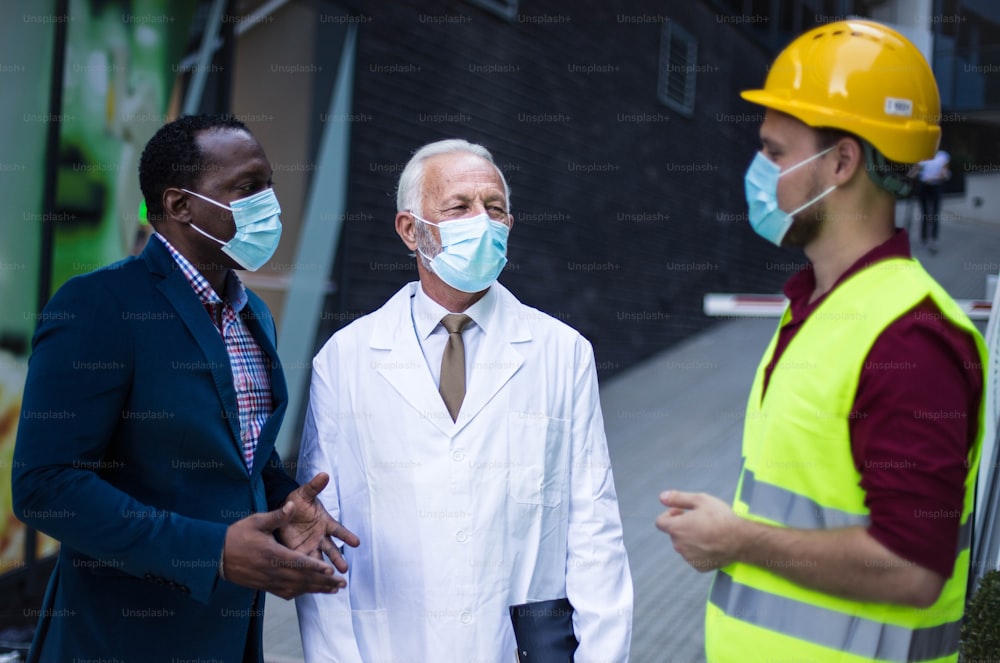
833	629
793	510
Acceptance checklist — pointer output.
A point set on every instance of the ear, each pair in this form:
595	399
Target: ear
510	221
849	159
176	206
406	228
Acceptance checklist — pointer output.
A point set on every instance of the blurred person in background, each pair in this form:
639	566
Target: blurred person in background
933	173
848	537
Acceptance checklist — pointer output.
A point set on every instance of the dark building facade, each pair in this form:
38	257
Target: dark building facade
620	129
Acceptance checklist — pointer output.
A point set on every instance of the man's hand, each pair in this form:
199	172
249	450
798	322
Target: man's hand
704	529
253	558
846	562
311	527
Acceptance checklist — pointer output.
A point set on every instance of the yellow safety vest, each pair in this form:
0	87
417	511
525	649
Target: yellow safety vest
798	471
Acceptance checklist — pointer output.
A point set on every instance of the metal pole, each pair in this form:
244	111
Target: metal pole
192	100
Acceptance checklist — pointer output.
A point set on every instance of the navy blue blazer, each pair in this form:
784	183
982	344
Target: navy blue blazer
128	452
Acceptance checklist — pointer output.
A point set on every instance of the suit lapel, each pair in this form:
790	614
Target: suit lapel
397	357
181	295
497	358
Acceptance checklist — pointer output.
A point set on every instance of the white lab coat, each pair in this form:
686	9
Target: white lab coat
514	502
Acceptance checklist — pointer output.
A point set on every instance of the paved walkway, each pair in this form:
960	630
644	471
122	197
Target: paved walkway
675	421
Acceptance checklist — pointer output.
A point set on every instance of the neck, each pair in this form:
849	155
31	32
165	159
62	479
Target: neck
455	301
216	278
846	237
215	274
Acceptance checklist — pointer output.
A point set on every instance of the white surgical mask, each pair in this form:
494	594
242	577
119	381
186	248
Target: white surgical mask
258	228
473	252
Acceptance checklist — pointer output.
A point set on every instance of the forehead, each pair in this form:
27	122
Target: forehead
230	152
460	173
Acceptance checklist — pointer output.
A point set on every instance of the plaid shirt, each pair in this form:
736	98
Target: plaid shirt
248	362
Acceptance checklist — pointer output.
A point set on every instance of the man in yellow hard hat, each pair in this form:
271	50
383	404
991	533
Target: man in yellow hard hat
848	537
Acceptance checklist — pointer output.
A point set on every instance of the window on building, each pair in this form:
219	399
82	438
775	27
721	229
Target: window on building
678	68
505	9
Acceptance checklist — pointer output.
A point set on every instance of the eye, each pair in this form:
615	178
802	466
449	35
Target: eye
255	186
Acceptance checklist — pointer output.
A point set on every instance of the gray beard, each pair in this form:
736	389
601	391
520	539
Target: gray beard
427	248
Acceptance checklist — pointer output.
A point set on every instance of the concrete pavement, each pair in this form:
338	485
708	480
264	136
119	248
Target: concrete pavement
675	421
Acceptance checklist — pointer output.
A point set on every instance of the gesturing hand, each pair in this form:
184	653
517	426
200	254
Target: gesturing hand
253	558
311	527
703	528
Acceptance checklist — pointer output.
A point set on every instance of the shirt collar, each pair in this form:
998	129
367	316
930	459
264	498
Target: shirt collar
799	288
427	313
235	293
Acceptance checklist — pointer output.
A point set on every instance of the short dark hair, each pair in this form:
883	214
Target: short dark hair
172	158
827	137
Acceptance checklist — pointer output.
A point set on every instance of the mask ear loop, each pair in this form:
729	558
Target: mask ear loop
214	239
813	201
820	196
209	200
420	218
805	161
428	260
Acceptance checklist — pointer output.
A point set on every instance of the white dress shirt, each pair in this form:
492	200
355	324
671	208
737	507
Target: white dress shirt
432	335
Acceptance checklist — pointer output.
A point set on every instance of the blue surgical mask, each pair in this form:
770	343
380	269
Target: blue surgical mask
473	252
258	228
761	184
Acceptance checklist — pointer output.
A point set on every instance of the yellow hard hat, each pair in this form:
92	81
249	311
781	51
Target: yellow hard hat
861	77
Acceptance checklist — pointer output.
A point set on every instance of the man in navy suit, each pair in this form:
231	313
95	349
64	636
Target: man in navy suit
146	439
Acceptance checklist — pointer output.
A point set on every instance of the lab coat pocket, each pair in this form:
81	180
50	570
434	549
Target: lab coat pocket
539	453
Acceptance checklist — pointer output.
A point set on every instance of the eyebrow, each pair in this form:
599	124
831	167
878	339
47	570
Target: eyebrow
770	143
245	171
462	198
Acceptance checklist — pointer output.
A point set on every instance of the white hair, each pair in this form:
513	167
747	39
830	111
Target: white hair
409	194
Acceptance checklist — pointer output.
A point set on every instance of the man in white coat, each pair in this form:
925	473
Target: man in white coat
471	490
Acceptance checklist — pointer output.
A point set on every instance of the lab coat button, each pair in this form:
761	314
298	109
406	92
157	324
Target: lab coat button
458	455
466	617
461	536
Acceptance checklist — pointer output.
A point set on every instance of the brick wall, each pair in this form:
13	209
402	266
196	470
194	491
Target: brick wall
626	212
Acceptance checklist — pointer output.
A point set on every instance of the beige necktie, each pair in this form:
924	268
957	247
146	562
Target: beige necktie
452	385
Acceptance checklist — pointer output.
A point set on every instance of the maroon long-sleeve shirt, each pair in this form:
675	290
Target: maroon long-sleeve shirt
914	419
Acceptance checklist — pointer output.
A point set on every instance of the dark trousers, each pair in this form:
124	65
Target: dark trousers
930	207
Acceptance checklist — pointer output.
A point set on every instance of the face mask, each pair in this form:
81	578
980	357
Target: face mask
761	184
258	228
473	252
